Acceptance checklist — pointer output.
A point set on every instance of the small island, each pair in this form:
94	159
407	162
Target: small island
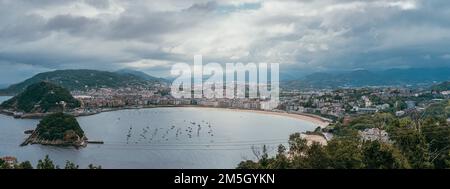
58	129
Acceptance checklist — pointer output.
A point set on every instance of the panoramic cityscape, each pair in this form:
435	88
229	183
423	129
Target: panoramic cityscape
139	115
325	84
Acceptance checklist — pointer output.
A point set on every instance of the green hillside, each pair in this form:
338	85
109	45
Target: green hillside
81	80
59	126
41	97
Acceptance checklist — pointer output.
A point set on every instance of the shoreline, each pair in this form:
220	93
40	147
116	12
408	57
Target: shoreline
315	119
321	122
35	139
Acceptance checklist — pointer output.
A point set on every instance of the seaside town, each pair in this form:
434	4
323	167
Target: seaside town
250	85
328	105
325	106
331	104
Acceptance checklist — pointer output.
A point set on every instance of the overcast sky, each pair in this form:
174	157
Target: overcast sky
304	36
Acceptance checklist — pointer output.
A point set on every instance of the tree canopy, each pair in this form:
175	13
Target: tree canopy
41	97
59	126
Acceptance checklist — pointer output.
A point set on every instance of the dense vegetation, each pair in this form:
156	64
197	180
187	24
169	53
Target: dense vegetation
420	141
141	75
59	126
45	163
82	80
41	97
341	153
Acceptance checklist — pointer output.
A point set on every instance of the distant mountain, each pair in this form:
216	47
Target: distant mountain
81	80
361	78
141	75
40	98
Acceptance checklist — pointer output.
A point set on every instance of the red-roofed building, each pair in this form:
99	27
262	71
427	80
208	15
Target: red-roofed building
9	160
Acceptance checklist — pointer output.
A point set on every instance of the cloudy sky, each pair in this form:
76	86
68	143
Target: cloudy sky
304	36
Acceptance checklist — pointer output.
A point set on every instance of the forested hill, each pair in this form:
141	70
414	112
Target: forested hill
40	98
82	80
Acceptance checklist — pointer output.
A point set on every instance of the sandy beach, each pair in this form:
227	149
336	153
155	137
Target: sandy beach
317	120
321	122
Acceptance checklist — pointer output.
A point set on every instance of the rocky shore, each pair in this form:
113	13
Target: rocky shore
35	139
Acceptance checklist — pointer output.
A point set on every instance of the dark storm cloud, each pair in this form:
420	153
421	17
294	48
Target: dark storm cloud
23	28
140	23
305	35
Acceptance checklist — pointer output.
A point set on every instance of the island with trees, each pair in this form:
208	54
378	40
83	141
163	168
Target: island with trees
58	129
40	99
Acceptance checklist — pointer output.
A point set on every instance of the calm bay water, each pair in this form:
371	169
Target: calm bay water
159	138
